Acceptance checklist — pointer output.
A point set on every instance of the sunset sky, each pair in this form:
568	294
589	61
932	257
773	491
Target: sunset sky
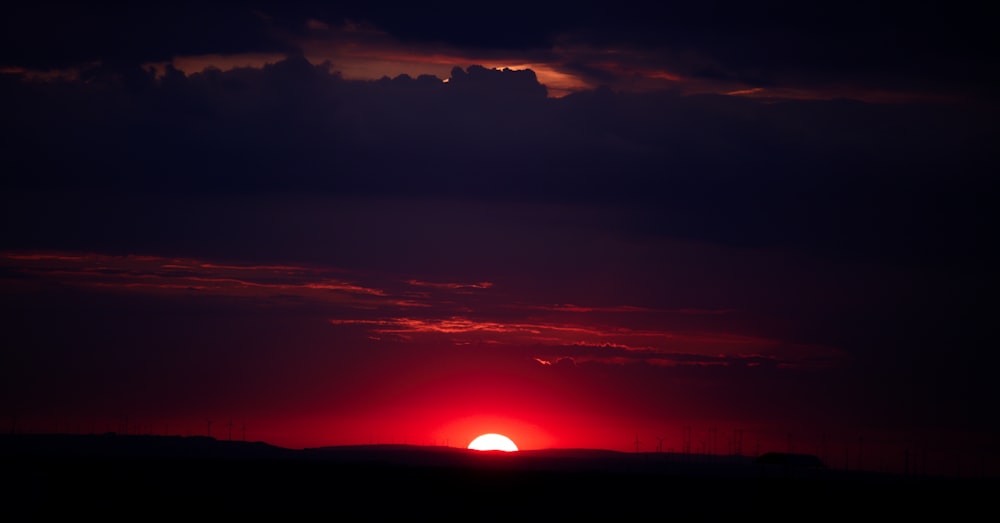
575	225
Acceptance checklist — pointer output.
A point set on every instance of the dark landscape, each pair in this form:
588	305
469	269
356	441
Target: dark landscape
143	476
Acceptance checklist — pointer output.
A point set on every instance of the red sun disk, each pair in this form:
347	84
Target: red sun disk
493	441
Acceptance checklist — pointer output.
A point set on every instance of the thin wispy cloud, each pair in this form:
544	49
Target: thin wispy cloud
451	286
608	343
572	308
442	319
152	274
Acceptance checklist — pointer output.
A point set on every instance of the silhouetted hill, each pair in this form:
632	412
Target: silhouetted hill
105	475
789	459
111	445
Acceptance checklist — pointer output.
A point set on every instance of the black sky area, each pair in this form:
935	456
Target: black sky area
860	223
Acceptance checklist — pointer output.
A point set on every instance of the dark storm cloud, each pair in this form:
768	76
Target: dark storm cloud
908	180
928	48
762	43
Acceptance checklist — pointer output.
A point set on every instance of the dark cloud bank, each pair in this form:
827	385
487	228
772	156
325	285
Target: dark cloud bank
911	181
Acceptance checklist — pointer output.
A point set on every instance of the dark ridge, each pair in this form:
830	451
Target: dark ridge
111	445
50	475
790	459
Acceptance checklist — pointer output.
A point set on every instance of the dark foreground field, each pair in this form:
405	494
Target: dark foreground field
144	477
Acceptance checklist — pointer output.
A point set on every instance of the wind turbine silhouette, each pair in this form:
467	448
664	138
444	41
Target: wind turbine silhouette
659	443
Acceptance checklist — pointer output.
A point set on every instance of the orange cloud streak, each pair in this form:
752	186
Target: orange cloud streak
660	347
591	333
153	273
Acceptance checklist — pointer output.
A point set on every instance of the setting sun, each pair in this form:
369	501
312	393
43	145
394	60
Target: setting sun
493	442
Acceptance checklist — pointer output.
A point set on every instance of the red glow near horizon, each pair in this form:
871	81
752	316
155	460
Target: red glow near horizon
406	359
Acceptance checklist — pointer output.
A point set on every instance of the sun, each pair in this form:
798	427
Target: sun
493	442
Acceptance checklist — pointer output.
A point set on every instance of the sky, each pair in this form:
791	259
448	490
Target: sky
722	227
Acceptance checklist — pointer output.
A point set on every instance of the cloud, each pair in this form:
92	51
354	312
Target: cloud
551	341
571	308
451	286
822	175
503	84
171	276
799	51
393	314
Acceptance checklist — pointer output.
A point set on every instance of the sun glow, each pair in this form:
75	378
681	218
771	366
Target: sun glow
493	442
